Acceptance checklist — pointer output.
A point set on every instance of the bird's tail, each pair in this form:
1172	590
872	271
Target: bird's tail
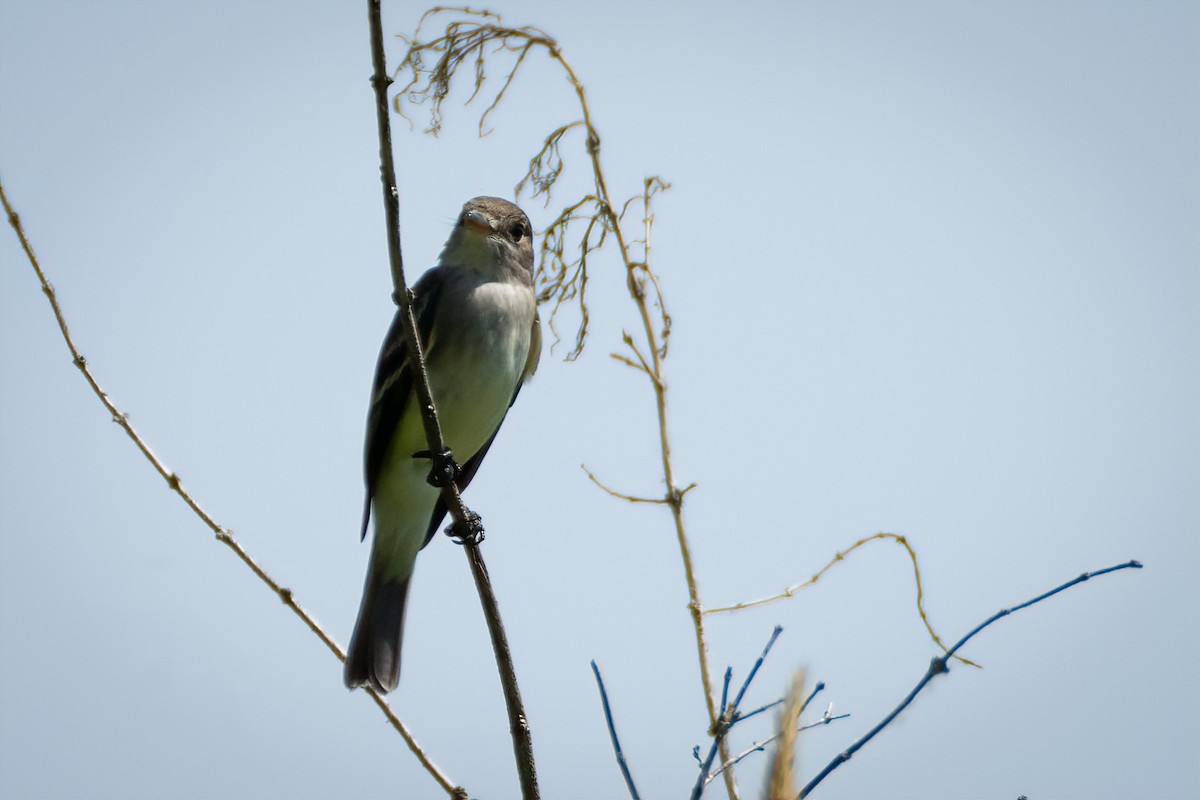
374	655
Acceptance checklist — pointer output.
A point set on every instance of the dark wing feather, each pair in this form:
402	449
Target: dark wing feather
394	383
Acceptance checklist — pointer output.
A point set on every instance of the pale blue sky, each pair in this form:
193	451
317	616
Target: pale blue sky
934	269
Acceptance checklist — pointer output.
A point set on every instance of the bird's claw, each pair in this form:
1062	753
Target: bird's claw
473	533
443	469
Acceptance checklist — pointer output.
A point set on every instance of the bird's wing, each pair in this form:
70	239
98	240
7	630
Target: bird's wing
394	382
468	470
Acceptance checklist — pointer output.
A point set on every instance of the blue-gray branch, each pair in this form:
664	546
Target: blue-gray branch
938	665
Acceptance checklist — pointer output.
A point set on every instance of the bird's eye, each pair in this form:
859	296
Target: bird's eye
518	231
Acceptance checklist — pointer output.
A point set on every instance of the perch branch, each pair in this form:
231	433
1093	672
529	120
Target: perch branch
464	520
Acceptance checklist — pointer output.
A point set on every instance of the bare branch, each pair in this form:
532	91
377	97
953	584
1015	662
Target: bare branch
938	666
757	747
838	558
629	362
612	733
621	495
223	534
632	345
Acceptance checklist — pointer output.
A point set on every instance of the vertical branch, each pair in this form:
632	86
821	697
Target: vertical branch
463	518
400	294
518	725
656	373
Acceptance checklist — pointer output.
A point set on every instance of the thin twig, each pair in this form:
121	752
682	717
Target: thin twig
839	557
758	662
761	709
629	362
825	719
612	734
641	358
464	520
937	666
820	687
223	534
621	495
757	746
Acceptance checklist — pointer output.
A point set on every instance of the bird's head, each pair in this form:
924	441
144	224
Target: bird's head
492	236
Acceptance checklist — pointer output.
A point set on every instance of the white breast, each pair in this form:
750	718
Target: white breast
477	359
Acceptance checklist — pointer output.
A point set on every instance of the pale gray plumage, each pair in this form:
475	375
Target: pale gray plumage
477	315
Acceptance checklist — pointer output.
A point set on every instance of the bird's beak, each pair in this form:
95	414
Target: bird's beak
479	223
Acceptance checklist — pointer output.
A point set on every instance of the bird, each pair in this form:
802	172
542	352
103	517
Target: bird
476	313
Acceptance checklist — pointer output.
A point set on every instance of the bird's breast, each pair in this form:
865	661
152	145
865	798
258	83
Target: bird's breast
476	360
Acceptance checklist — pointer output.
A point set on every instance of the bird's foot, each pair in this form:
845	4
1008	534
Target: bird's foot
473	532
443	469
